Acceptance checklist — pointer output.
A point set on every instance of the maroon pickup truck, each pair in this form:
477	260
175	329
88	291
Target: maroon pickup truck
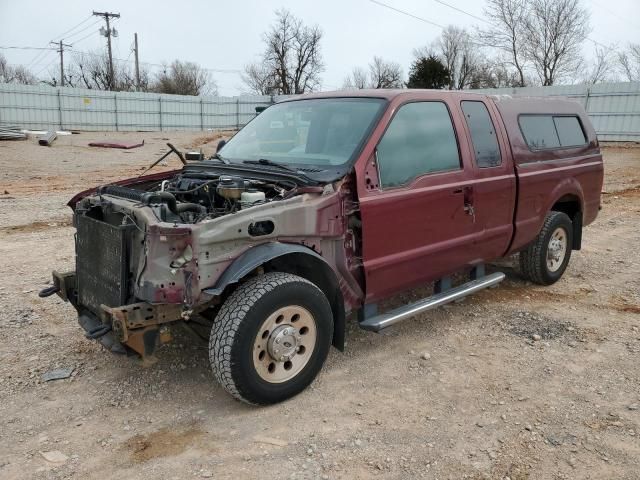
324	205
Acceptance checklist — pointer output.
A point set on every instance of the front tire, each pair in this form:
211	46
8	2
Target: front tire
546	258
271	338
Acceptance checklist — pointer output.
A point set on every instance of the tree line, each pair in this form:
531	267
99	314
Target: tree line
521	43
91	70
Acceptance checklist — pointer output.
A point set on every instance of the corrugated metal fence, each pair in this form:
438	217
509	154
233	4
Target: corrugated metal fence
614	108
44	107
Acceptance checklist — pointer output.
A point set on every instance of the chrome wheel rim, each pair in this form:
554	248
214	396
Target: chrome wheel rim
557	249
284	344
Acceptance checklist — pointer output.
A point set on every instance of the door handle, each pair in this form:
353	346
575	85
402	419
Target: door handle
468	202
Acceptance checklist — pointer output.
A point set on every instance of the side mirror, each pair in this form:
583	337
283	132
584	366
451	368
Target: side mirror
221	144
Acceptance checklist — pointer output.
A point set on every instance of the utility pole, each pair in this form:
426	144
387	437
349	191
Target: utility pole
109	32
135	49
61	52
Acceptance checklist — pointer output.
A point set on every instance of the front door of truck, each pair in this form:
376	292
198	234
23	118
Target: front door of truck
416	197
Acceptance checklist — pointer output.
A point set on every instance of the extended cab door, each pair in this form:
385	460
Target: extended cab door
416	196
494	181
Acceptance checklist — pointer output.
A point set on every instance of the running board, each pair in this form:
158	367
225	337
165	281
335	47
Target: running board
384	320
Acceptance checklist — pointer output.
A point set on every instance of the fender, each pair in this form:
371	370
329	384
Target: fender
568	186
252	259
571	188
266	252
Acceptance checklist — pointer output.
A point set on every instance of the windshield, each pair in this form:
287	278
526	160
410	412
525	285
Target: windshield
322	132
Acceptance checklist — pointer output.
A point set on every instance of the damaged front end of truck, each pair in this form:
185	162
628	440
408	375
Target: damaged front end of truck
168	248
256	249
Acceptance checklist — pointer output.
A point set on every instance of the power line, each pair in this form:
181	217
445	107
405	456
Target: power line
611	12
39	56
26	48
47	66
159	65
85	37
73	28
83	30
407	14
462	11
214	70
609	48
595	42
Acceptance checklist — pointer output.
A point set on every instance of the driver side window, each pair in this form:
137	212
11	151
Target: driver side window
420	139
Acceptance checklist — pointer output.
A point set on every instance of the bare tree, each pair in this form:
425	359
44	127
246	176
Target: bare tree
91	70
184	78
358	79
599	70
381	74
629	62
506	32
555	31
292	61
493	73
459	54
19	74
260	79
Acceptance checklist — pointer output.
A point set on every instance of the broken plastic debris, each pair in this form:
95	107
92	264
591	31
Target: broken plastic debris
57	374
270	441
54	456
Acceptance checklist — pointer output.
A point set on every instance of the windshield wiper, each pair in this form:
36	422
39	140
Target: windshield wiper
266	161
224	160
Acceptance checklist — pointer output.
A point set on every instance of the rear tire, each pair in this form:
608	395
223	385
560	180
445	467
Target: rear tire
546	258
270	338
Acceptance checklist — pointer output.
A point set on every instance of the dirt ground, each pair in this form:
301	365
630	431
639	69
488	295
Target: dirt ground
461	392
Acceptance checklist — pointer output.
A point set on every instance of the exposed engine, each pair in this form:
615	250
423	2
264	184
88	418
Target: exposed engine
190	197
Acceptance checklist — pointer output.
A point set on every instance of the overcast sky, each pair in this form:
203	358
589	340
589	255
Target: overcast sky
226	35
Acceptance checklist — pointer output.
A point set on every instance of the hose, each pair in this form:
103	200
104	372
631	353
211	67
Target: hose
161	197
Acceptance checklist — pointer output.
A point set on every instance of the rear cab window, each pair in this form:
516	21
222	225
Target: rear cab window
569	131
483	134
419	140
543	132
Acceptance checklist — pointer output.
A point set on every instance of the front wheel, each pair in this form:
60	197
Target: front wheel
545	260
270	338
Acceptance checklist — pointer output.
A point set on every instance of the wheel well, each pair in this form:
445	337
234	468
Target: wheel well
320	274
570	204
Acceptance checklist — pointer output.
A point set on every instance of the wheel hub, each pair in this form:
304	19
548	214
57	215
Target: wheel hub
284	343
556	249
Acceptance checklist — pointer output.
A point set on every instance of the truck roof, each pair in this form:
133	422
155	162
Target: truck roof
509	106
387	93
506	103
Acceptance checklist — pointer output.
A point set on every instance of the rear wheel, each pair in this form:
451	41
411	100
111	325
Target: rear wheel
545	260
270	338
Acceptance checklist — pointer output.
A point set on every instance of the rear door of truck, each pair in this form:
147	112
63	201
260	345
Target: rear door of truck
494	181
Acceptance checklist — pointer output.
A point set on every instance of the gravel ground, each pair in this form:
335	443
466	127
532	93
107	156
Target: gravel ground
518	382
